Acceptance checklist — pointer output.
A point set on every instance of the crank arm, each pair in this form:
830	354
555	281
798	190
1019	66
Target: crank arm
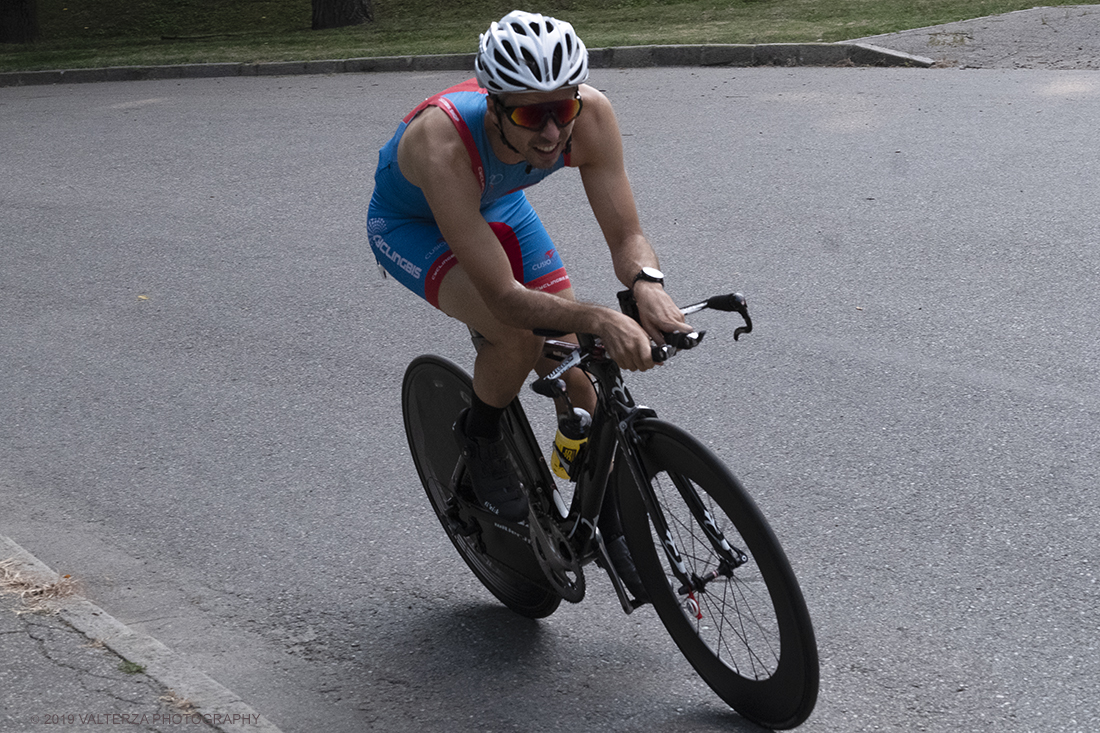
604	561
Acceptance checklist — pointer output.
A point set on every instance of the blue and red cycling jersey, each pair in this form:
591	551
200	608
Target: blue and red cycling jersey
402	229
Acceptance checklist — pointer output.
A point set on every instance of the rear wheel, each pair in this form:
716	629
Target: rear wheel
434	391
745	629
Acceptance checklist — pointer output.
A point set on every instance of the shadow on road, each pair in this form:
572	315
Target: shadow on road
483	667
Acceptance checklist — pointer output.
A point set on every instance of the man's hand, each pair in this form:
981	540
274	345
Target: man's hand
625	341
629	344
657	311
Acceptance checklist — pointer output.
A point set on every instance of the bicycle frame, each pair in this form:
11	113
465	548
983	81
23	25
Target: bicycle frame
612	432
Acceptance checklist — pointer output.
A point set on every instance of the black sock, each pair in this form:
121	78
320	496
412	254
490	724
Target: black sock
483	421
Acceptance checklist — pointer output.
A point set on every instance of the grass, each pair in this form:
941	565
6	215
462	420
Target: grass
92	33
128	667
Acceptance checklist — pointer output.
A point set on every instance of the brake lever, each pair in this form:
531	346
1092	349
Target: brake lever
732	303
735	303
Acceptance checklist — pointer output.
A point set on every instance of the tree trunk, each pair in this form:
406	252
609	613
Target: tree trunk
339	13
18	21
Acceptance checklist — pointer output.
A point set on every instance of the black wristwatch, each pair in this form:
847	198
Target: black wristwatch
649	274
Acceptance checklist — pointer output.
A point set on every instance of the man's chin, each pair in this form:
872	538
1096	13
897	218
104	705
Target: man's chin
543	162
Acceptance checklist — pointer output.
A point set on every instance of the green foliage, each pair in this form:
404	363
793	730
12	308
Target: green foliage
130	667
82	19
82	33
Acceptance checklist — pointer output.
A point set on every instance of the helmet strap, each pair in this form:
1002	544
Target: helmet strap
500	128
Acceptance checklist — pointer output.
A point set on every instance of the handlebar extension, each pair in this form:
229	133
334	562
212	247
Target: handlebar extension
730	303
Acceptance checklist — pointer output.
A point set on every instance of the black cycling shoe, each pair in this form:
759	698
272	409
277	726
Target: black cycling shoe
624	566
494	480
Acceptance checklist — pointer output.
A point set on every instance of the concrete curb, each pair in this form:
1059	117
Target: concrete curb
767	54
218	707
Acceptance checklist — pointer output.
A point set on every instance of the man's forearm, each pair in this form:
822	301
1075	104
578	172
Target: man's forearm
530	309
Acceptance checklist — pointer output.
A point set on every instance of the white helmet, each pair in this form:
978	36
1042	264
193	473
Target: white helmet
528	52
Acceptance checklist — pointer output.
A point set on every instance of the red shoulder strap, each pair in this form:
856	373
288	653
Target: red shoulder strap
441	101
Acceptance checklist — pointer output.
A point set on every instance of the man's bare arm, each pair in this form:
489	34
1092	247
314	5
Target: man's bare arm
600	159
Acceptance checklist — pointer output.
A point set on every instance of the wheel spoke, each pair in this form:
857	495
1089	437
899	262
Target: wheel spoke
731	607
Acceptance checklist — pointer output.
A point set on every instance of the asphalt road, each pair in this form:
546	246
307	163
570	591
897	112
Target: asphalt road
199	407
1061	37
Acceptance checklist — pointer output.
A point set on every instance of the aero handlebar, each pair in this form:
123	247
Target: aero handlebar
674	342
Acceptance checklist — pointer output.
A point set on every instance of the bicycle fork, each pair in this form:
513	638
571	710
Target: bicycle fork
729	558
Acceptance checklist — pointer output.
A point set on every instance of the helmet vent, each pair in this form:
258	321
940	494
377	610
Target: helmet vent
510	80
504	60
531	62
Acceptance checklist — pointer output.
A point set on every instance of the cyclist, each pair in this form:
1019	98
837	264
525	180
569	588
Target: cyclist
449	220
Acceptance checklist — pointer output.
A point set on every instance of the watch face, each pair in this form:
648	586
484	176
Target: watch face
652	273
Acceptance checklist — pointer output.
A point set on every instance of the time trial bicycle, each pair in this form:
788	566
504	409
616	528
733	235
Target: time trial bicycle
707	559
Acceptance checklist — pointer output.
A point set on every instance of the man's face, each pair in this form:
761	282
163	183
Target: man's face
543	146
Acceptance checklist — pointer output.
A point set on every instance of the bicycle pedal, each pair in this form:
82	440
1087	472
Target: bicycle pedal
455	522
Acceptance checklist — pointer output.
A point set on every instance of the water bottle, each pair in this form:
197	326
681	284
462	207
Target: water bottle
570	439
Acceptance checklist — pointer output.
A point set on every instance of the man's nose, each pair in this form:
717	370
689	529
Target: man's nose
551	131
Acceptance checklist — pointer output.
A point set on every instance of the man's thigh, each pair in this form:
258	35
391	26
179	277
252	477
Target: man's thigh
415	253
